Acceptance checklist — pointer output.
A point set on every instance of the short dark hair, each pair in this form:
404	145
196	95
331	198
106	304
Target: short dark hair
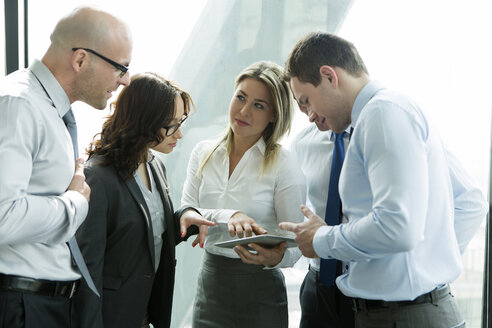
318	49
142	109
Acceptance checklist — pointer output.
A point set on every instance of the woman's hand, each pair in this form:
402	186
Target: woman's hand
241	224
191	217
266	256
202	235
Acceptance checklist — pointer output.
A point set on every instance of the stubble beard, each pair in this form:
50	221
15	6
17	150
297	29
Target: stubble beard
87	90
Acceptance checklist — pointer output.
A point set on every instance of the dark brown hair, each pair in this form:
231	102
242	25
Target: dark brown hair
318	49
142	109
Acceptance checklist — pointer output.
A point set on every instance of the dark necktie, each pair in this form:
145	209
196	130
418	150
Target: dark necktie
69	120
328	268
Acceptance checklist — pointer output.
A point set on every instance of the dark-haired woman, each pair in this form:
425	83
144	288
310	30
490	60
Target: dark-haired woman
131	230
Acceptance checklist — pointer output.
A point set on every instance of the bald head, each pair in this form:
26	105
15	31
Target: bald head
88	73
88	27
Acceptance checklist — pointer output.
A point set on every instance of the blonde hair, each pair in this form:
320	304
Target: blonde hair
271	75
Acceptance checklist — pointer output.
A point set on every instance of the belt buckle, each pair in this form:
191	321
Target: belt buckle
73	288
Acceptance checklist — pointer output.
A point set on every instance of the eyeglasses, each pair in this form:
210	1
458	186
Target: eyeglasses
171	129
120	67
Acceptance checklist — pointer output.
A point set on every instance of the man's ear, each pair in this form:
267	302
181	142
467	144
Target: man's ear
79	60
329	73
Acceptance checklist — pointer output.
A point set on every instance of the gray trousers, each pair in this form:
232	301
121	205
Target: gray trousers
233	294
324	307
440	312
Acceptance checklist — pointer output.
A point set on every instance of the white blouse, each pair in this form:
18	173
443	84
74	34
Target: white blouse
269	198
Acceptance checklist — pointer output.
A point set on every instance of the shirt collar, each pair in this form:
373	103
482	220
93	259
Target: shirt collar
332	134
367	92
261	145
151	155
51	86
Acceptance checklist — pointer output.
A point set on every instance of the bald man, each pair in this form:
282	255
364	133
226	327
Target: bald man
42	200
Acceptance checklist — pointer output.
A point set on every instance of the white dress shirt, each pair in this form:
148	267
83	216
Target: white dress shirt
314	151
37	215
156	208
397	193
271	198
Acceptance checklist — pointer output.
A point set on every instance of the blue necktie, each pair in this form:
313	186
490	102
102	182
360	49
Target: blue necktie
328	268
69	120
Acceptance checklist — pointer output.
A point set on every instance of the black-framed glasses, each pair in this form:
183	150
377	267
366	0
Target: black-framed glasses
120	67
171	129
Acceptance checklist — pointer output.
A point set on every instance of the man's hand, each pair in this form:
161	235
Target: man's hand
241	224
191	217
305	231
266	256
78	181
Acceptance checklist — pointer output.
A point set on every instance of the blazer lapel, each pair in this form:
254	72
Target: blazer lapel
139	199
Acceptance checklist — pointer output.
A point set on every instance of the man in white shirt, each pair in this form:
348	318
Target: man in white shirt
403	237
321	305
42	201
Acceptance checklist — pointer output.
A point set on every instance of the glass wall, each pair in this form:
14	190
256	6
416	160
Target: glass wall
159	28
439	52
229	36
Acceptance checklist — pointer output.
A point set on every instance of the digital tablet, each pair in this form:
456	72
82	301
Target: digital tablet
266	241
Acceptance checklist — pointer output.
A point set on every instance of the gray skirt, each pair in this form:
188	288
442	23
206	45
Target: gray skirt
231	293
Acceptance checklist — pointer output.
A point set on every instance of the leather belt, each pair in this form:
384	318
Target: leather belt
433	296
38	286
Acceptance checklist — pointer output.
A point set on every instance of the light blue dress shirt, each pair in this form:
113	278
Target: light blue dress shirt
37	215
397	193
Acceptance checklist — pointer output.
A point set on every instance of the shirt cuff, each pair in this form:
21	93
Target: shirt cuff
182	210
320	242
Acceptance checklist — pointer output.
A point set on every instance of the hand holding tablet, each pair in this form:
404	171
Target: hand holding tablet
266	241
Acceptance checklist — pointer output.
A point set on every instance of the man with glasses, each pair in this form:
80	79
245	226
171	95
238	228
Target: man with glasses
123	69
42	201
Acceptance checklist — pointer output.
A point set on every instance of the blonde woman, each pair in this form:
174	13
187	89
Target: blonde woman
247	183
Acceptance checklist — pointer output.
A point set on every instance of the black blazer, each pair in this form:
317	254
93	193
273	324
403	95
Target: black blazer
117	242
